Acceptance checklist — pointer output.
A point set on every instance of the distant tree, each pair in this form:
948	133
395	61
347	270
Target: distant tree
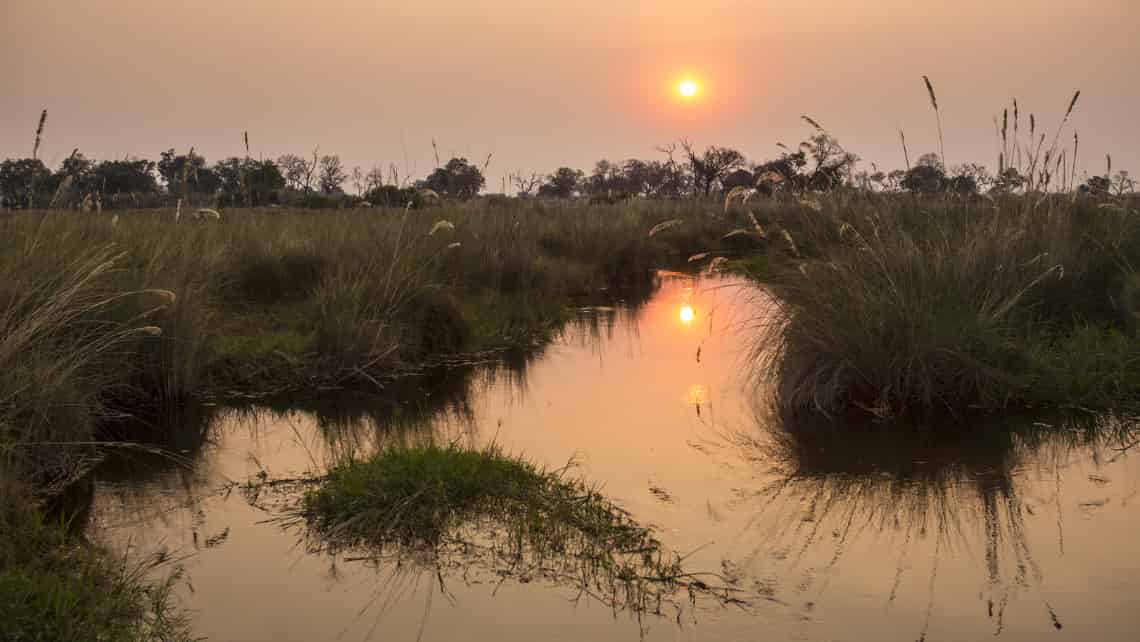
332	175
20	179
1123	183
526	185
563	183
1097	186
969	179
928	176
359	181
295	171
129	176
830	164
458	179
711	167
247	181
77	166
677	181
199	178
739	178
645	178
783	173
390	196
1009	180
607	179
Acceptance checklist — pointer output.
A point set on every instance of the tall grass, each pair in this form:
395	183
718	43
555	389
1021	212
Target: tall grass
908	306
60	345
268	299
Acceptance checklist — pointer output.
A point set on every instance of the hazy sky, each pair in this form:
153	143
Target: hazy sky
543	84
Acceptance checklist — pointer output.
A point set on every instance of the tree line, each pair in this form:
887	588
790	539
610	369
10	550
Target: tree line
818	164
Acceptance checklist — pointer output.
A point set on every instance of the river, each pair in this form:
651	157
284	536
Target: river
1023	529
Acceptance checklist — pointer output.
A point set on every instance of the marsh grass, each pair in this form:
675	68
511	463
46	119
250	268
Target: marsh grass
56	586
269	300
503	514
903	306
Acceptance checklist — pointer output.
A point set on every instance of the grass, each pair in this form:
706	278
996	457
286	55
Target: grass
500	512
55	586
896	305
274	299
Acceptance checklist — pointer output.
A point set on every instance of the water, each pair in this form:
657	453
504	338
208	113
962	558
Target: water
1024	529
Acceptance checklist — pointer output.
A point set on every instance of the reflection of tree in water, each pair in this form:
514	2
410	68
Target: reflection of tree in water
915	488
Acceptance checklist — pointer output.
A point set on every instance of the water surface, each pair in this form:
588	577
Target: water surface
1023	529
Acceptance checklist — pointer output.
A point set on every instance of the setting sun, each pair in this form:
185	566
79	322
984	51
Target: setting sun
688	88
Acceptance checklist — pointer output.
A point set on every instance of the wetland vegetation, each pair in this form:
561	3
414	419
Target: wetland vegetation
897	299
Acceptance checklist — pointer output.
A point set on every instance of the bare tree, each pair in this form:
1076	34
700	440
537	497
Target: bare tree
527	185
358	180
294	169
712	166
332	174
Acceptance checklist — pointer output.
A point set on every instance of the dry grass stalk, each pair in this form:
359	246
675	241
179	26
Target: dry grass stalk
938	117
39	134
661	227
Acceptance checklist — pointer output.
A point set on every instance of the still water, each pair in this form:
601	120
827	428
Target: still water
1023	529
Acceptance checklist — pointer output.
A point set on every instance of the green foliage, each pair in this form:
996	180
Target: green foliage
20	181
457	179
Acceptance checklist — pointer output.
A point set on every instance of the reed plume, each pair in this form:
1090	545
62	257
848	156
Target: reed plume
39	134
937	116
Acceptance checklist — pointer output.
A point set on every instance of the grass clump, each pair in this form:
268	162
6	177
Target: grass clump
499	513
909	306
418	495
54	586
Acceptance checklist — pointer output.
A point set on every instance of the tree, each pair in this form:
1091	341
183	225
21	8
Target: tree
607	179
831	162
711	167
20	179
968	179
295	171
128	176
332	175
187	174
246	181
458	179
926	177
739	178
563	183
526	184
651	179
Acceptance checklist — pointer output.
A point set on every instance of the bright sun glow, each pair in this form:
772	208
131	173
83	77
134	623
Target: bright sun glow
687	314
688	88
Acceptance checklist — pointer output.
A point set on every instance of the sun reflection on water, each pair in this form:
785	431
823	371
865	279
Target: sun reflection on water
687	314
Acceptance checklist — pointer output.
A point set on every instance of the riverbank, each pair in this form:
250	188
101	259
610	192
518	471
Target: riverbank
902	306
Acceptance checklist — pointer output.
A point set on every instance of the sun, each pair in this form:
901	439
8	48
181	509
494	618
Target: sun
688	88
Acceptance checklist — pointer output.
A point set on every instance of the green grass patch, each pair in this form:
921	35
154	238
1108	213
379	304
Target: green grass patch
53	586
501	513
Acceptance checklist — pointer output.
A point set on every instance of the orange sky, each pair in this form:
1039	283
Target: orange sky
545	84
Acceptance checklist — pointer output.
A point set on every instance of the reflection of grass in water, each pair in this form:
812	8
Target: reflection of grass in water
928	488
450	507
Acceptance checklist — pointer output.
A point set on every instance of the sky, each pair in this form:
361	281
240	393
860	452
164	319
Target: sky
538	85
